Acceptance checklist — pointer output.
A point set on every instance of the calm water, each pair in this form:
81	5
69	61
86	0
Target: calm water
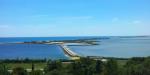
117	47
112	47
34	51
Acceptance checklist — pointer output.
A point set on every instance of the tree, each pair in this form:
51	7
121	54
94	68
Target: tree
99	67
36	72
54	72
146	66
85	66
76	68
33	66
112	67
3	69
138	66
19	71
52	65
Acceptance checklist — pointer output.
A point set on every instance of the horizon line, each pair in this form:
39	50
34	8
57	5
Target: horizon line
80	36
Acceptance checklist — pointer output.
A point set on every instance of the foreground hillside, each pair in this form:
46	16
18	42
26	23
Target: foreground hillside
84	66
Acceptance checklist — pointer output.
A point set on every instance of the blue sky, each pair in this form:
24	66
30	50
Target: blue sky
29	18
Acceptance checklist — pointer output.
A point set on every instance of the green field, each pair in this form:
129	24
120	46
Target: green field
25	65
41	65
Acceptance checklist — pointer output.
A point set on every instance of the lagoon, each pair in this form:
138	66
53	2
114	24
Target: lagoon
124	47
32	51
117	47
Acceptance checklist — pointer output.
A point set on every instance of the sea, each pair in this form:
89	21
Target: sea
108	46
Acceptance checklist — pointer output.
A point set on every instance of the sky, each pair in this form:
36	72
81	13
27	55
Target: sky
44	18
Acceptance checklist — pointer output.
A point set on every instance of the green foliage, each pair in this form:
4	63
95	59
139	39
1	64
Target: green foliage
19	71
138	66
111	67
56	72
52	65
86	66
99	67
3	69
36	72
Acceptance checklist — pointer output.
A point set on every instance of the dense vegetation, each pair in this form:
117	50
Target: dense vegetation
90	41
84	66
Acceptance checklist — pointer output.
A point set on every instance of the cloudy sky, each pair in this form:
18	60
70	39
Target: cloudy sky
30	18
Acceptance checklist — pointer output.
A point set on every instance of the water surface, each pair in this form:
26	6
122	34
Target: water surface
117	47
34	51
110	47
